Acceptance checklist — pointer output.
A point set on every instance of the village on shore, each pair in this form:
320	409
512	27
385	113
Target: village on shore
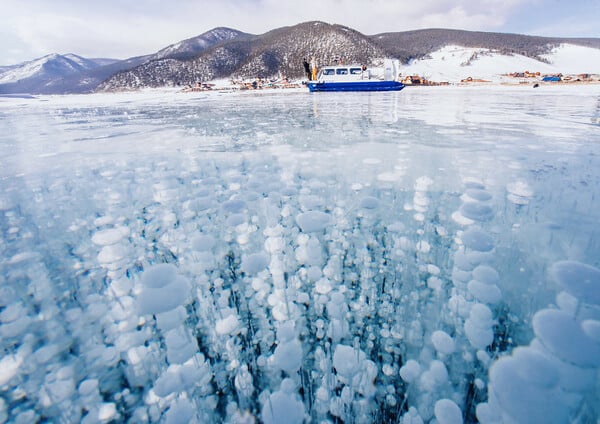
515	78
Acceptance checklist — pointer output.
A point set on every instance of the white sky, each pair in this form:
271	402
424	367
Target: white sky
126	28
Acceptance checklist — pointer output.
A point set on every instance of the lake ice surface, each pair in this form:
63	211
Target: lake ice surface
429	255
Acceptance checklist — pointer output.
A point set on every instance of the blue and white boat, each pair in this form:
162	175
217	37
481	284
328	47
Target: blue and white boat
355	78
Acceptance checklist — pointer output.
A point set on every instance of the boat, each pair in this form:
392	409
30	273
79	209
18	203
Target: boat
355	78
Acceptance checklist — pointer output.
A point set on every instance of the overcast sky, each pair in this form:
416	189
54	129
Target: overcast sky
125	28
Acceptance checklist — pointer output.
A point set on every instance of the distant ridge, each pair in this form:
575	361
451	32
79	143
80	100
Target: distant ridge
229	53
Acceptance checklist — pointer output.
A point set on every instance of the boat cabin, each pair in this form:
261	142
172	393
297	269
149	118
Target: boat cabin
344	73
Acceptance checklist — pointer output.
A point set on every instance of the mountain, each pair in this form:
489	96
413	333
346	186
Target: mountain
51	74
227	53
410	45
57	74
280	52
190	48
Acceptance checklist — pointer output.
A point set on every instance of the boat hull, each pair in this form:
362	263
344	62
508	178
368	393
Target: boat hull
355	86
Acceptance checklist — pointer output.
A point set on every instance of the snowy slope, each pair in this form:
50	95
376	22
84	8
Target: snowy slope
454	63
52	65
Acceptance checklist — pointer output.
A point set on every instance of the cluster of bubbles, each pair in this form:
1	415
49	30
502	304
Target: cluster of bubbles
241	291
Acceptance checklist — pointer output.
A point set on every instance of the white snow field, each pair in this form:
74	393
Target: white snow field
455	63
425	256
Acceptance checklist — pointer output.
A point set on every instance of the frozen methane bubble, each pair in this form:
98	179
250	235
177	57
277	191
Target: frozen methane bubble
477	240
447	412
563	336
592	329
234	206
478	194
354	369
486	274
283	407
110	236
228	325
442	342
478	327
476	211
369	203
203	242
578	279
512	390
486	293
163	290
313	221
410	371
254	263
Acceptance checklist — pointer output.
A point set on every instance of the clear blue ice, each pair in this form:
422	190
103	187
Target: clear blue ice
430	255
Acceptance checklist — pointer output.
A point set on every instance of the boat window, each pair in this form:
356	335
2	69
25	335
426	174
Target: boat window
355	71
342	71
328	71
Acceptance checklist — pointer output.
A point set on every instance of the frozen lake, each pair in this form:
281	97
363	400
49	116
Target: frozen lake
429	255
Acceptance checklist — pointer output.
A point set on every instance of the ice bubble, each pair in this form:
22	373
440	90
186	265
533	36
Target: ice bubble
438	371
236	219
567	302
181	346
447	412
288	356
13	312
347	360
581	280
477	240
486	414
476	211
255	262
110	236
592	329
313	221
369	203
314	273
460	219
159	275
282	407
411	417
522	401
478	194
9	367
203	242
227	325
482	315
462	261
112	253
442	342
165	298
486	274
487	293
520	189
478	327
180	411
563	336
107	411
423	247
171	319
234	206
535	368
323	286
410	371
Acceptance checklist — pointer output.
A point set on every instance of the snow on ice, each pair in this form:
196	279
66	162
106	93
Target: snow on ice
428	256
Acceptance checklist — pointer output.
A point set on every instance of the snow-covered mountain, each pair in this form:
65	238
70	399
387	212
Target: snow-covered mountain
437	54
191	47
440	55
454	63
49	66
47	74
